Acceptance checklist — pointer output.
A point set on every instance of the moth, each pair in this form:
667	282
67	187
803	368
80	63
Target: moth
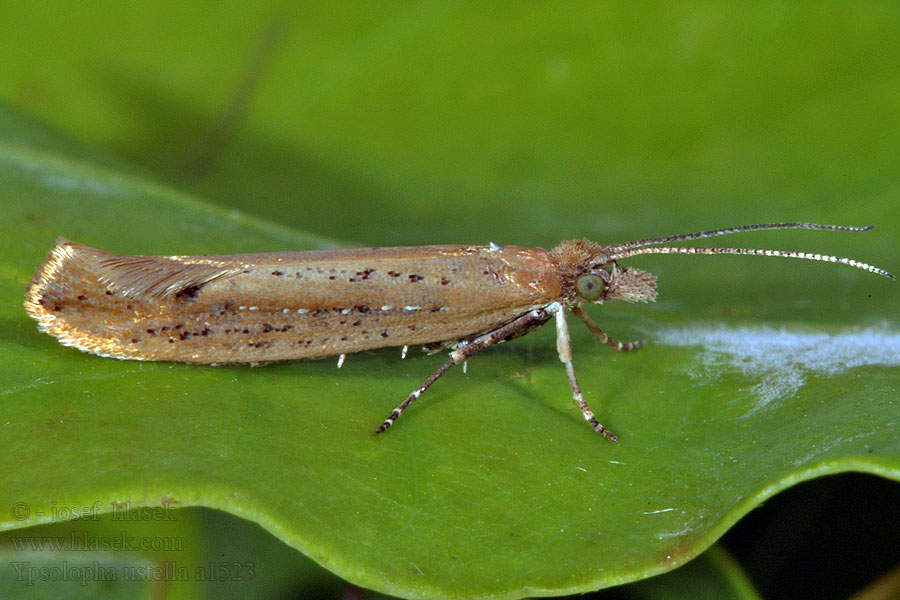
257	308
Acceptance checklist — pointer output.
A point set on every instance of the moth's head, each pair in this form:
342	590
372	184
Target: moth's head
588	274
620	283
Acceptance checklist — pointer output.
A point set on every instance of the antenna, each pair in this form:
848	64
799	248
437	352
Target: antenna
650	245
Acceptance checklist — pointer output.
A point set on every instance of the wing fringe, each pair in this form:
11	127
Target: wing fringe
138	277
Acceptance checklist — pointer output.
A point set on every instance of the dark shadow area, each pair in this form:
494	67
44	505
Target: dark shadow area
826	538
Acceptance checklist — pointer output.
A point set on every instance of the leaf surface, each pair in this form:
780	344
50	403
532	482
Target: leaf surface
492	483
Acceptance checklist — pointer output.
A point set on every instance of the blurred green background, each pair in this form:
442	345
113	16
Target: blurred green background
385	119
391	123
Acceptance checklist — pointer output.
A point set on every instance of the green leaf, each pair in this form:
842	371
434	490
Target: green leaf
714	575
489	475
443	122
154	552
125	552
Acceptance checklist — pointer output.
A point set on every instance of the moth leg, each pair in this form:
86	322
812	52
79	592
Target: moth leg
564	348
416	393
515	328
615	344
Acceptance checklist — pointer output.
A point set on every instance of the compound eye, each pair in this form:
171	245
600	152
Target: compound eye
590	287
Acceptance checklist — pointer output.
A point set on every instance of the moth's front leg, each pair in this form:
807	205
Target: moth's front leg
613	343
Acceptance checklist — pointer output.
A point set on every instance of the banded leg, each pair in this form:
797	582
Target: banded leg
615	344
515	328
564	348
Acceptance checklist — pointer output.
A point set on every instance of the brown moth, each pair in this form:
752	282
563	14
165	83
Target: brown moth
255	308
